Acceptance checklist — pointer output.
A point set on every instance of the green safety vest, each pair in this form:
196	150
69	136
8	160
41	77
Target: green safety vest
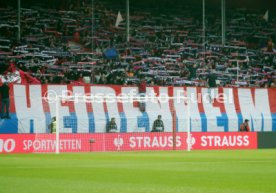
54	127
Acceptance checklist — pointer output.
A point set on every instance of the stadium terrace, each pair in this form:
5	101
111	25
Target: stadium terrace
63	47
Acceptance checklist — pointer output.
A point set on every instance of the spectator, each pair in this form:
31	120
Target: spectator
211	80
111	126
53	125
244	126
158	125
5	92
269	45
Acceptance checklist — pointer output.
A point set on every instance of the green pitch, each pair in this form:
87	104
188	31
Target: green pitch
141	172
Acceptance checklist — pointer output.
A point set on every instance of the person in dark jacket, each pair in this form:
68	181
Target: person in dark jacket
211	80
244	127
5	104
111	126
158	125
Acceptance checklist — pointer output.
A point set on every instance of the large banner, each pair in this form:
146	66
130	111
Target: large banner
219	110
102	142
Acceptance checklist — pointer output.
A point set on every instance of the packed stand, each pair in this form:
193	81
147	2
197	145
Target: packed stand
72	47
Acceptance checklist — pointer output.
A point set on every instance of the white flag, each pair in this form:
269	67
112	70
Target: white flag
265	17
119	19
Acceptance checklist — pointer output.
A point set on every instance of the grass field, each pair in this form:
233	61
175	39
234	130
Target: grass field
141	172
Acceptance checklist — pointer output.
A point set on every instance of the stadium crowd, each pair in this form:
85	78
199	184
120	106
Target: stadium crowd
62	46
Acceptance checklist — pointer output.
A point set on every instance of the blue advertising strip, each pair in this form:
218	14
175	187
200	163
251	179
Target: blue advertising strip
273	115
70	122
143	122
9	125
123	128
222	121
240	118
203	122
91	122
31	126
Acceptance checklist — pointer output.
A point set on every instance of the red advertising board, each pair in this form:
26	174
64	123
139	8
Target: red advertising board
32	143
221	140
145	141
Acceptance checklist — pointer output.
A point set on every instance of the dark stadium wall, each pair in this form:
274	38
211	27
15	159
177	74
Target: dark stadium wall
251	4
267	139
